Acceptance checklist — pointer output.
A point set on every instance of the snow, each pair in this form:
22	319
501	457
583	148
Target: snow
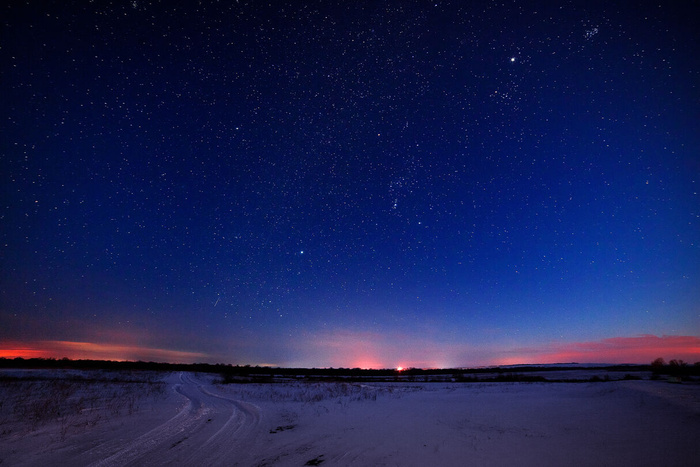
57	418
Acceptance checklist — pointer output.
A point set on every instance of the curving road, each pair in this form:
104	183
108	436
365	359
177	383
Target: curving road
209	430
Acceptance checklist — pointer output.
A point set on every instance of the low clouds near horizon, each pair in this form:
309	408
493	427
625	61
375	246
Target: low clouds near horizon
373	350
638	349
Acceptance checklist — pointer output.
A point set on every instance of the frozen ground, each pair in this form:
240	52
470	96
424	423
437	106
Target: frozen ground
116	419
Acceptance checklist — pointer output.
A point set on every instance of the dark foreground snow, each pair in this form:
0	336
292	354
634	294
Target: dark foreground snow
186	419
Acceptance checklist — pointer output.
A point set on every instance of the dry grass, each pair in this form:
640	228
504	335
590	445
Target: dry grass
62	401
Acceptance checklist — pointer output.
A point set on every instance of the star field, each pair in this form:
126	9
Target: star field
246	180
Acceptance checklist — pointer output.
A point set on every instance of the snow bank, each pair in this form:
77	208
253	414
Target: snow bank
194	421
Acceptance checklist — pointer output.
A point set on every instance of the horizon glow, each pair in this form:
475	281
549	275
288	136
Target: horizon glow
632	350
350	185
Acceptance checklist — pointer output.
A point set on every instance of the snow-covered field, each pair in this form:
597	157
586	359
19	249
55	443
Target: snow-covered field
115	419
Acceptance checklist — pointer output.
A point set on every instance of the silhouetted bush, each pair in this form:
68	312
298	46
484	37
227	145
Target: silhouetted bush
657	366
676	368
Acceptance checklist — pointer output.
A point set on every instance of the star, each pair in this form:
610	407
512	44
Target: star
197	167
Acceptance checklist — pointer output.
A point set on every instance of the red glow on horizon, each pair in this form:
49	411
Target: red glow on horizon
640	349
93	351
342	348
364	364
366	350
24	353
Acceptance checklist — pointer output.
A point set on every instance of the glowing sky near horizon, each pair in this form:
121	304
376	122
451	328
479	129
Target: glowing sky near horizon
357	184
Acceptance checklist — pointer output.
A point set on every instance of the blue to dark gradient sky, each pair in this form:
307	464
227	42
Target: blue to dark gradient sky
339	183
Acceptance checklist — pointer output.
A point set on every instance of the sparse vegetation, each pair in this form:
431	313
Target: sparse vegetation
67	407
341	393
676	369
72	401
247	374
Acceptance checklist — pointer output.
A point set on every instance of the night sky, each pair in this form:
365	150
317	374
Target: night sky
350	184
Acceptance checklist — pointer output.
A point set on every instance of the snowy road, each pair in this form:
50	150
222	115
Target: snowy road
197	422
209	429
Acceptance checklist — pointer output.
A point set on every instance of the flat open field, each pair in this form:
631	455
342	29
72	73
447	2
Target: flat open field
138	418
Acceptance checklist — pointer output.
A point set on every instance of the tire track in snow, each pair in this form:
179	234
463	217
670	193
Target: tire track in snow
227	445
209	430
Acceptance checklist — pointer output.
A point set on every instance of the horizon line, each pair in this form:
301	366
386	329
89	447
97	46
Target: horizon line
274	367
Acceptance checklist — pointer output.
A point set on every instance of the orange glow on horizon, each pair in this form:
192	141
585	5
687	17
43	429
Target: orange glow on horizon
93	351
348	348
368	350
640	349
365	365
345	349
24	353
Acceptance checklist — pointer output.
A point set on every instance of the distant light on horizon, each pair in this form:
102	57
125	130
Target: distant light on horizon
634	350
325	185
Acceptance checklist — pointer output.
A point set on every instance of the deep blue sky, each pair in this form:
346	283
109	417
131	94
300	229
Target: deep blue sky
348	183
